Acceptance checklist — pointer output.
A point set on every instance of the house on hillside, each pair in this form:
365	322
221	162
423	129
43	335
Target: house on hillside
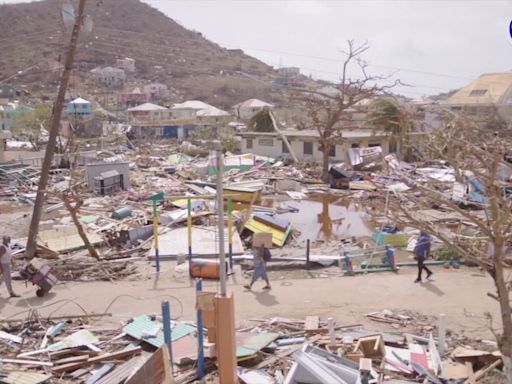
489	94
9	112
305	144
200	113
109	76
147	112
79	108
132	98
150	120
156	91
7	92
247	109
127	64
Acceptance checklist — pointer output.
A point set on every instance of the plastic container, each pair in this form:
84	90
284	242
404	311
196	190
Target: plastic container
206	268
121	213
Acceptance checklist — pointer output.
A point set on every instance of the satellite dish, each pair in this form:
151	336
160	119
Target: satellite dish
88	24
68	14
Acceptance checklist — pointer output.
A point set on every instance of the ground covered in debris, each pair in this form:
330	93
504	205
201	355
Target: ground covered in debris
96	315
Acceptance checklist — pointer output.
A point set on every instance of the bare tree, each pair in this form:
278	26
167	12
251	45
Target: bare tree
329	111
480	168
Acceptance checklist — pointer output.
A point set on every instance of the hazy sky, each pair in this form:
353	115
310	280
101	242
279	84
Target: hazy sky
434	45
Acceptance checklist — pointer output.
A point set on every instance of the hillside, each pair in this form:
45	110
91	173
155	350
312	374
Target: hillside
192	66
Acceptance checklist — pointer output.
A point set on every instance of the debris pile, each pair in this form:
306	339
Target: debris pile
276	350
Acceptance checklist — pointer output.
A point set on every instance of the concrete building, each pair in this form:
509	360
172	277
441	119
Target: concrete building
156	91
109	76
79	108
133	98
200	113
305	144
489	94
148	112
9	112
7	92
127	64
247	109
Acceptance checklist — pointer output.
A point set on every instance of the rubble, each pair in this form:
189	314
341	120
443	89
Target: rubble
311	350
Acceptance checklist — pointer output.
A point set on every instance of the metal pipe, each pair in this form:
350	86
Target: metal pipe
220	215
200	344
166	319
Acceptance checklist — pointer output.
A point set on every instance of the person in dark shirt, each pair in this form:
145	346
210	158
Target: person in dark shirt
421	252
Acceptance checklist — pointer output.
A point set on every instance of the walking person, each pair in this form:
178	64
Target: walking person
5	265
261	256
421	252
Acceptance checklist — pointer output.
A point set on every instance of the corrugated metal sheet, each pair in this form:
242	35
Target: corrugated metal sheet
144	324
250	343
278	237
17	377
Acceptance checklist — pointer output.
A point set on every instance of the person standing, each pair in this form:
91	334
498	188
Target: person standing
421	252
261	256
5	265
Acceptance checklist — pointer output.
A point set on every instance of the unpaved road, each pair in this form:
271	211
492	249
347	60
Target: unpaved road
461	294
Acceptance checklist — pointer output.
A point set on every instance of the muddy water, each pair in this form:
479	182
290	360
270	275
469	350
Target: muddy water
323	217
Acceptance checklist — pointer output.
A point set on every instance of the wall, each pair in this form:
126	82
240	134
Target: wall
275	150
96	169
246	113
185	113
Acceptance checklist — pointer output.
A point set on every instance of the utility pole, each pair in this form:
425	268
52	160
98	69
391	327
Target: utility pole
54	130
220	215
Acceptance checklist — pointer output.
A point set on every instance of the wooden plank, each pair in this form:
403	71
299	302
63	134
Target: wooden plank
483	372
13	338
27	362
98	359
72	359
155	370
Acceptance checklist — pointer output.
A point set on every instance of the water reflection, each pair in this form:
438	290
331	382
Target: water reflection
323	217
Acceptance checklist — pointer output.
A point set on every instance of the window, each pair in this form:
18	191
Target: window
284	147
332	151
478	92
248	143
354	145
266	142
373	145
308	148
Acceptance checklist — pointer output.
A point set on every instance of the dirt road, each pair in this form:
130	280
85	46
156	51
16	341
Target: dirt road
461	294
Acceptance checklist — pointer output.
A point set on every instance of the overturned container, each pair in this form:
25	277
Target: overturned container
206	268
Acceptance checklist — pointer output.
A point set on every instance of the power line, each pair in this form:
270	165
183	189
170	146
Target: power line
438	74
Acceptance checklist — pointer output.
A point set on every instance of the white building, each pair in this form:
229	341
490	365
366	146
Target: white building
247	109
127	64
156	91
305	144
200	112
109	76
148	112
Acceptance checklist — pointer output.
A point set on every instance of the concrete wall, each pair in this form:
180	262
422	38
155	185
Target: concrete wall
272	147
246	113
96	169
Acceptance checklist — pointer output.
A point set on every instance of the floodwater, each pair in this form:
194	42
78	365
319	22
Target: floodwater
323	217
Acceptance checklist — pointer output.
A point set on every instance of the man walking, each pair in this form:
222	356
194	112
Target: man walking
5	264
261	256
421	252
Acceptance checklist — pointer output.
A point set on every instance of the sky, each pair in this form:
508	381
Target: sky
432	46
